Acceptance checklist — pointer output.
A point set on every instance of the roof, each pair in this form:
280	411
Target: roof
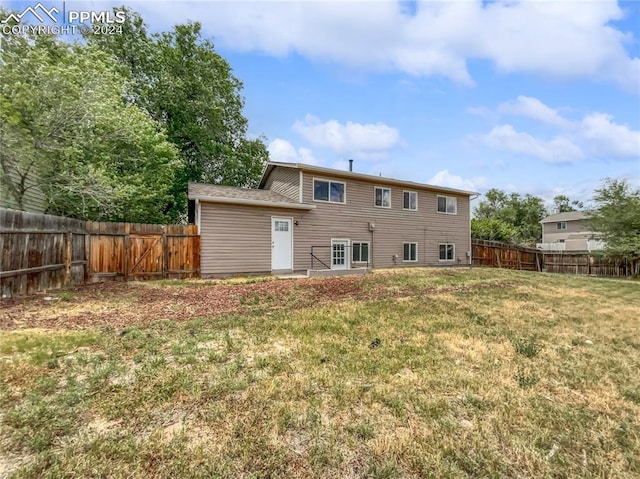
242	196
359	176
568	216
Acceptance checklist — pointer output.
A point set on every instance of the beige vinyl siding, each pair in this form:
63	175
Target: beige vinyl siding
237	239
394	226
34	199
550	233
285	181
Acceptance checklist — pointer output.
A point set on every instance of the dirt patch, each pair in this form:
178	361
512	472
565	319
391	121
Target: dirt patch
119	305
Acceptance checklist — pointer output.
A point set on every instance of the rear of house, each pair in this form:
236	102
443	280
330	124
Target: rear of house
304	217
568	231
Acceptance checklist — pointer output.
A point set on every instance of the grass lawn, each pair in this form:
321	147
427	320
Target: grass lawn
415	373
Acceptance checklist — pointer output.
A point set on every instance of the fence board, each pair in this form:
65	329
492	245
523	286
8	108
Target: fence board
41	252
501	255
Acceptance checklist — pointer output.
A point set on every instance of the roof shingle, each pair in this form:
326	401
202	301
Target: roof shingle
568	216
202	190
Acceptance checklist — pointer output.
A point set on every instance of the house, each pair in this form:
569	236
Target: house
304	218
33	199
568	231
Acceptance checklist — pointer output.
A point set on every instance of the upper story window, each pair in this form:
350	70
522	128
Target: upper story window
409	200
448	204
561	225
330	191
382	197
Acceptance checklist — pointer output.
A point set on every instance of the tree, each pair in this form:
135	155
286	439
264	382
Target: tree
494	230
523	213
617	217
66	129
180	80
562	204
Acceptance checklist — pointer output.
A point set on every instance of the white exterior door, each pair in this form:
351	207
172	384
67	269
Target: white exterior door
281	244
339	254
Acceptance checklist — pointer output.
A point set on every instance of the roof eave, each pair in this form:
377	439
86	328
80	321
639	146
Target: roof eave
248	202
362	176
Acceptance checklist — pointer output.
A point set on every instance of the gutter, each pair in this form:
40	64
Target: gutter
248	202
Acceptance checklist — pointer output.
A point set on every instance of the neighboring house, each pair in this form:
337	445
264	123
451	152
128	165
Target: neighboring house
349	220
568	232
33	200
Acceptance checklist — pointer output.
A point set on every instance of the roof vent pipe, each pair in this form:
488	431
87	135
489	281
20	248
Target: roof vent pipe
350	165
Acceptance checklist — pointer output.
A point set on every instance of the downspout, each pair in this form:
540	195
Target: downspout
371	249
198	215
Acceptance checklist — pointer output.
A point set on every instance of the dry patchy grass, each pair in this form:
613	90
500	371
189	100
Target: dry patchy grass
417	373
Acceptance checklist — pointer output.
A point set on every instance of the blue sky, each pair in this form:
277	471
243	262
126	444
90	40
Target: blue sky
538	97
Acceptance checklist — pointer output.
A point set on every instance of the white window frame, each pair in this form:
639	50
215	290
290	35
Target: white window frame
453	256
455	200
374	196
410	193
561	225
353	245
325	180
410	260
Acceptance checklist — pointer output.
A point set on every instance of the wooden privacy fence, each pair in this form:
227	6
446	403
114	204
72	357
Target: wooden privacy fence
585	263
501	255
43	252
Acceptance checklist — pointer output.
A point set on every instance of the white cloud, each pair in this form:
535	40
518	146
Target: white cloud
558	150
609	138
444	178
361	141
482	111
533	108
283	151
596	135
558	39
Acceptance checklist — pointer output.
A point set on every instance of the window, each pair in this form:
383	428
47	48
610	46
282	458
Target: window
447	251
382	197
561	225
360	252
410	252
330	191
280	225
410	200
447	204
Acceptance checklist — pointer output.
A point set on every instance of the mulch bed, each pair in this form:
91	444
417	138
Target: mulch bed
119	305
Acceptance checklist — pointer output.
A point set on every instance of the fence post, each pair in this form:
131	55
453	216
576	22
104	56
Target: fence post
165	252
68	240
87	257
126	252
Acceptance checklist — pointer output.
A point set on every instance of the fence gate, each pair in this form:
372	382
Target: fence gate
146	256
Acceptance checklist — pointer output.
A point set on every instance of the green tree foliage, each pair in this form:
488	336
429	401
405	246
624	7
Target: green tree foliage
562	204
179	79
494	230
522	213
617	217
65	128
